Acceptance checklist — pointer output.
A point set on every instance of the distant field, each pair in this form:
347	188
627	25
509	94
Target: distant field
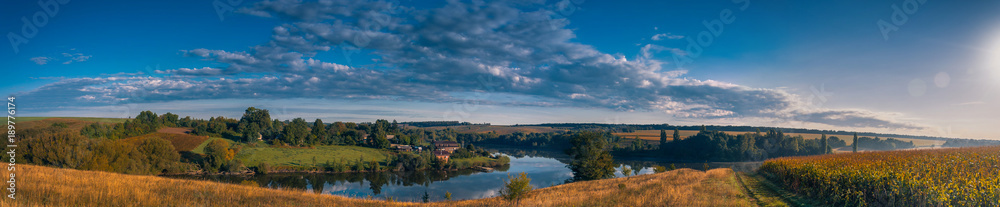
654	135
499	129
89	119
71	123
181	142
304	156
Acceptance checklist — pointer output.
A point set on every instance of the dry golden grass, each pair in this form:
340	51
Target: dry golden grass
683	187
45	186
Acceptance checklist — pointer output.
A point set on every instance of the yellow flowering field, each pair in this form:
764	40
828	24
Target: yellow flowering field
938	177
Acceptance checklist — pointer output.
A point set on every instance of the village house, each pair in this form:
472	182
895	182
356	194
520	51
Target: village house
442	155
402	148
449	146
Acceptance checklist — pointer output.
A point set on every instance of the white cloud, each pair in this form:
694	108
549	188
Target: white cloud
75	57
663	36
41	60
431	55
68	57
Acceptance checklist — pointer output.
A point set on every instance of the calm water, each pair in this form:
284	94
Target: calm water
545	168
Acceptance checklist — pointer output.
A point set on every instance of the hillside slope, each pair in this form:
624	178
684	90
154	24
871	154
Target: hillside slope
46	186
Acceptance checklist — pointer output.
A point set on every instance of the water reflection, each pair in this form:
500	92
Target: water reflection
544	167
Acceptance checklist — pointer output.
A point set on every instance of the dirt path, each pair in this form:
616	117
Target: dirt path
761	192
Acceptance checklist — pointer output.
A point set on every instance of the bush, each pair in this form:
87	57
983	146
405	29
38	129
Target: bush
659	169
235	166
626	170
217	154
516	187
262	168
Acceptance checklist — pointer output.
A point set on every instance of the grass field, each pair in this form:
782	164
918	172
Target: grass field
304	156
88	119
930	177
654	135
45	186
200	149
181	142
71	123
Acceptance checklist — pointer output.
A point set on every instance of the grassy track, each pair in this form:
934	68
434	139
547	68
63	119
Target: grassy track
763	192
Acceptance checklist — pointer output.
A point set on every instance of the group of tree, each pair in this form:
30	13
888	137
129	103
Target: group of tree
721	146
883	144
220	156
470	151
62	147
728	128
146	122
969	142
557	140
437	123
591	157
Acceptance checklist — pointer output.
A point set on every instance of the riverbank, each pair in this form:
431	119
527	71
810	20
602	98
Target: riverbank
46	186
454	165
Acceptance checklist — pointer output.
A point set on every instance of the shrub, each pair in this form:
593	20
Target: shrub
659	169
516	187
217	154
262	168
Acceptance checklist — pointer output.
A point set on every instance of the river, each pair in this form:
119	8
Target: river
544	167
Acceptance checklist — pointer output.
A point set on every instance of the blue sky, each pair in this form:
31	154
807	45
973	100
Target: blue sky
808	64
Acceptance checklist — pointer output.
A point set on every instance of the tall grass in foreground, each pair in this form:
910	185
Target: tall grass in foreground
940	177
46	186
